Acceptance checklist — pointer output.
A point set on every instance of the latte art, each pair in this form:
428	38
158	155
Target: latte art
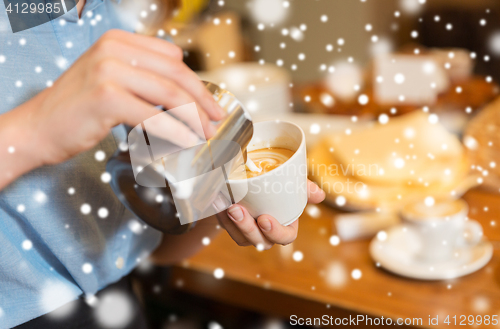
268	159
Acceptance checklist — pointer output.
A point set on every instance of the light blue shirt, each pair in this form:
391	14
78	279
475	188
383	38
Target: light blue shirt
63	233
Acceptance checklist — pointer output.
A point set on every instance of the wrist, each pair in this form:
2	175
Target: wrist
18	143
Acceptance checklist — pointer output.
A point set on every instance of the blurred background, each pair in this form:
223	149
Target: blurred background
345	71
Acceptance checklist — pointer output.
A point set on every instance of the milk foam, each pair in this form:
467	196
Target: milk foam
268	159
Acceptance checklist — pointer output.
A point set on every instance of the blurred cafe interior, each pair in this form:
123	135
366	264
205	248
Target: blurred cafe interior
406	90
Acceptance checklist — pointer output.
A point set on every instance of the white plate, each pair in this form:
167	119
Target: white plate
397	253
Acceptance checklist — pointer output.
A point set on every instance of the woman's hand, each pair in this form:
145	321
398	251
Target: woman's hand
264	231
119	79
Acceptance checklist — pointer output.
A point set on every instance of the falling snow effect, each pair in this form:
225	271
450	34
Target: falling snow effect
334	240
345	82
218	273
102	212
429	201
298	256
54	295
382	236
105	177
356	274
433	118
296	34
313	211
62	63
340	201
159	198
40	197
399	163
85	209
100	155
27	245
114	310
315	129
399	78
135	226
214	325
91	300
363	99
87	268
327	100
383	119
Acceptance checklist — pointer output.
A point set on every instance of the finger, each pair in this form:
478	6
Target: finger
232	230
168	67
277	233
152	44
248	227
157	91
126	108
314	193
189	81
194	121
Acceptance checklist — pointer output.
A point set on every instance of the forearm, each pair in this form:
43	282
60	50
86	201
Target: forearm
175	248
18	144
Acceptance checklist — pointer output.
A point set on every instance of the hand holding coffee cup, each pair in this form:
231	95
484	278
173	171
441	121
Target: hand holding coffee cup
441	227
277	195
280	189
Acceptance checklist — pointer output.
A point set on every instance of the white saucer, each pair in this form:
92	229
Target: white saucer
396	251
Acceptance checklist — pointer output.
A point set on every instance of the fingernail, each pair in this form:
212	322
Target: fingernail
235	213
265	224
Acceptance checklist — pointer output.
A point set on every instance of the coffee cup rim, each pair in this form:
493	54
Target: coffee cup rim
422	219
302	141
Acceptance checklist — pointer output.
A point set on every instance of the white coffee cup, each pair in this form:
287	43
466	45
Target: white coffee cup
281	192
441	227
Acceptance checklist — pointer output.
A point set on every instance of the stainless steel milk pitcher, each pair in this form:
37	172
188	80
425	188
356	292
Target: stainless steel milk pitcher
191	178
